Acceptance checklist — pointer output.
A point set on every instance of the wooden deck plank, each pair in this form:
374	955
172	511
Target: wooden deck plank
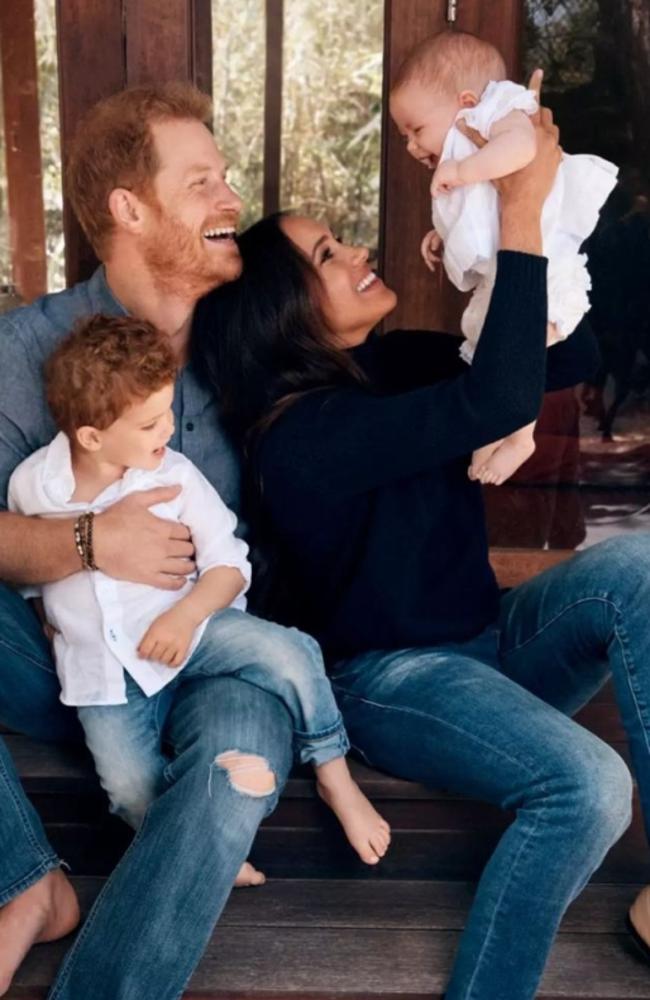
334	963
388	905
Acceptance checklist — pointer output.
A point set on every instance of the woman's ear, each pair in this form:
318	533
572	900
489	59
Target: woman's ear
126	209
468	99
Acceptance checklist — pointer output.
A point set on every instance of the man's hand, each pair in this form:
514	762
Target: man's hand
133	544
447	176
168	638
430	249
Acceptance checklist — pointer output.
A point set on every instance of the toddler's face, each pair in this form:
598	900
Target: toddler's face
423	116
138	437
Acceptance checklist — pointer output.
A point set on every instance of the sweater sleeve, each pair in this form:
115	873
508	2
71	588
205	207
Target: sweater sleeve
347	441
413	358
572	360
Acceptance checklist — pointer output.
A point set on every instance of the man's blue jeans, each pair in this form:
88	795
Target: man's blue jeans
126	740
488	718
175	878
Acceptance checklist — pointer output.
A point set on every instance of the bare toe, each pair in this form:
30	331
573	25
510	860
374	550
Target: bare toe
248	876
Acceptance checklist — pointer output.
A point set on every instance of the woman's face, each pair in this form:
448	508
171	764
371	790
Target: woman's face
353	299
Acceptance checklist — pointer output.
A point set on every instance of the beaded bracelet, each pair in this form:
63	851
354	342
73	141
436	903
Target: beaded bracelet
83	539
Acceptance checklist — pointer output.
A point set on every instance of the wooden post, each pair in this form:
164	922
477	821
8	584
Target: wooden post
105	45
425	301
91	66
23	147
273	105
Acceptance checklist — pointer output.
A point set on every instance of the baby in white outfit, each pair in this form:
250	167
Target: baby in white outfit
455	78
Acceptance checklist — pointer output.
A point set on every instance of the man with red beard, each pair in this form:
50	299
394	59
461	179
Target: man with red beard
149	187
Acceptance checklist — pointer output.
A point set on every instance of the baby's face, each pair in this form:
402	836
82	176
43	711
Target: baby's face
423	116
138	437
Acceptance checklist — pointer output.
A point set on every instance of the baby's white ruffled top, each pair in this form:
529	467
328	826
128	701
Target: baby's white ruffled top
467	219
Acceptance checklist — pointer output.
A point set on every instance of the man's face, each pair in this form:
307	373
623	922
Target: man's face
192	215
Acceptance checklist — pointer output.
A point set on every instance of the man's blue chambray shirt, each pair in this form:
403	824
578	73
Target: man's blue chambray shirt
29	334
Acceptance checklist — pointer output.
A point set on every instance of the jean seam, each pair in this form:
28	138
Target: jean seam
27	827
34	876
19	651
552	621
443	722
495	911
322	734
64	973
630	675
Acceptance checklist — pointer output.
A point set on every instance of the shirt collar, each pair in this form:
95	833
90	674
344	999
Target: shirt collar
59	482
101	297
58	478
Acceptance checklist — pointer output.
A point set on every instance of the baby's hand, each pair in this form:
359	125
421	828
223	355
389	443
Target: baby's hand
429	248
168	637
446	178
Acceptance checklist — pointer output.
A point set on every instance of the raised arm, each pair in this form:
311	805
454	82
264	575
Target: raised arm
511	146
349	441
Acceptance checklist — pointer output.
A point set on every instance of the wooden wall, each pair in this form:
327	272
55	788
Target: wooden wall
426	301
105	45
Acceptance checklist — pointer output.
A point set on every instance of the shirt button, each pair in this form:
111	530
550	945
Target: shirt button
189	426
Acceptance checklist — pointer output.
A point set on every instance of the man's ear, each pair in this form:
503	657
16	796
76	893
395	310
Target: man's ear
467	99
127	209
89	438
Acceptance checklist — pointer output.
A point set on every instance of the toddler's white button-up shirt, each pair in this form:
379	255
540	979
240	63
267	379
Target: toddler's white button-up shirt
101	621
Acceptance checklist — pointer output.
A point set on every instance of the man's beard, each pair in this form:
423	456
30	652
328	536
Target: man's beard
178	264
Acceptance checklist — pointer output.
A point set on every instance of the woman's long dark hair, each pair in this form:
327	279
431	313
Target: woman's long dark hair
261	342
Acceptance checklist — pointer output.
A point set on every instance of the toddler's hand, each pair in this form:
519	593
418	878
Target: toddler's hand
168	638
429	248
446	177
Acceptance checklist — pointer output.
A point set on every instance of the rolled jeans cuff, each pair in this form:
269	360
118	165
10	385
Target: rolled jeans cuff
319	748
31	877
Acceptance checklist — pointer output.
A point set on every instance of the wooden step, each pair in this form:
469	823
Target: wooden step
339	940
435	834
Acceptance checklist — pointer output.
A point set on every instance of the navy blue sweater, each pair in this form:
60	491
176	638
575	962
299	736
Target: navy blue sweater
381	532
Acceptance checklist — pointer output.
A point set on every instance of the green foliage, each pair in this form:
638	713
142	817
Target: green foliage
331	123
48	89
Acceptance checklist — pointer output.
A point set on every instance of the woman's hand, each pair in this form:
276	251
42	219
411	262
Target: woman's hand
532	184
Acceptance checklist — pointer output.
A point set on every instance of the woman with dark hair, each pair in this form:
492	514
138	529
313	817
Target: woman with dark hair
357	448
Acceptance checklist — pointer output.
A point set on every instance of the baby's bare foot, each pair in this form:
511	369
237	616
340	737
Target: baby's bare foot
366	830
511	453
480	459
48	910
249	876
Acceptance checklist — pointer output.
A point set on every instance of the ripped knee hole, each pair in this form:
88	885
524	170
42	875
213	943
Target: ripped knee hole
247	773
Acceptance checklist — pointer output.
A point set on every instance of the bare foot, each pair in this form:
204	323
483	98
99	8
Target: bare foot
249	876
511	453
481	457
46	911
366	830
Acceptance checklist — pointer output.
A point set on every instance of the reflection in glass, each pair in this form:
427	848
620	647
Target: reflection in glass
331	128
589	477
